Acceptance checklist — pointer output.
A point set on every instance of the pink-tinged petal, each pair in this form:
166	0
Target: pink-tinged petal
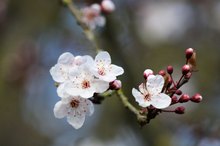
140	98
76	120
60	110
161	101
155	84
103	57
66	58
58	73
116	70
100	86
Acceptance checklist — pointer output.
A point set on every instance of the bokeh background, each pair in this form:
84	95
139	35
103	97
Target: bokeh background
140	34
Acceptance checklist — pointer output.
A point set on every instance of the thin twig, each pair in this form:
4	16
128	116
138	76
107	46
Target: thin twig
141	118
78	15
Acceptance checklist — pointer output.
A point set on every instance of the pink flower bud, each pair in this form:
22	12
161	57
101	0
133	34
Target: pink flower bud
174	99
147	72
115	85
178	92
169	69
196	98
184	98
162	72
108	6
180	110
189	53
185	69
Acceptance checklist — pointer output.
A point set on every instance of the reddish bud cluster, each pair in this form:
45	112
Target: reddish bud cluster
172	87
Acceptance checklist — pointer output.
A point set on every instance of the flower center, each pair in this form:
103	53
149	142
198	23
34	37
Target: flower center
147	97
74	103
85	84
101	71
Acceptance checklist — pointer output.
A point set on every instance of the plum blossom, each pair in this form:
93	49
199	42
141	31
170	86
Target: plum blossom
91	16
75	109
66	61
104	70
83	83
150	93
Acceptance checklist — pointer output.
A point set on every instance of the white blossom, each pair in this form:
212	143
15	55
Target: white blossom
83	83
91	16
75	109
150	93
104	70
65	63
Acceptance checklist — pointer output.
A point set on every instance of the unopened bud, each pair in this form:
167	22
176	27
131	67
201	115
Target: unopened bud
162	72
180	110
115	85
178	92
107	6
185	69
196	98
184	98
147	72
169	69
174	99
189	53
188	76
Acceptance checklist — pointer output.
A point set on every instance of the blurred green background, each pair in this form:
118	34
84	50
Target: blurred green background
140	34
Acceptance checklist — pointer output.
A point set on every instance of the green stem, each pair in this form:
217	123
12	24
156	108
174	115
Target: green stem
141	118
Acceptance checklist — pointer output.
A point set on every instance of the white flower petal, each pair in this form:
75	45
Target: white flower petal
100	86
116	70
161	101
76	120
103	57
66	58
86	106
140	98
87	93
155	84
61	91
72	89
90	107
58	73
142	89
60	110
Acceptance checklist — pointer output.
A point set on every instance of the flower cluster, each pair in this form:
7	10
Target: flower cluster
91	15
161	91
78	79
